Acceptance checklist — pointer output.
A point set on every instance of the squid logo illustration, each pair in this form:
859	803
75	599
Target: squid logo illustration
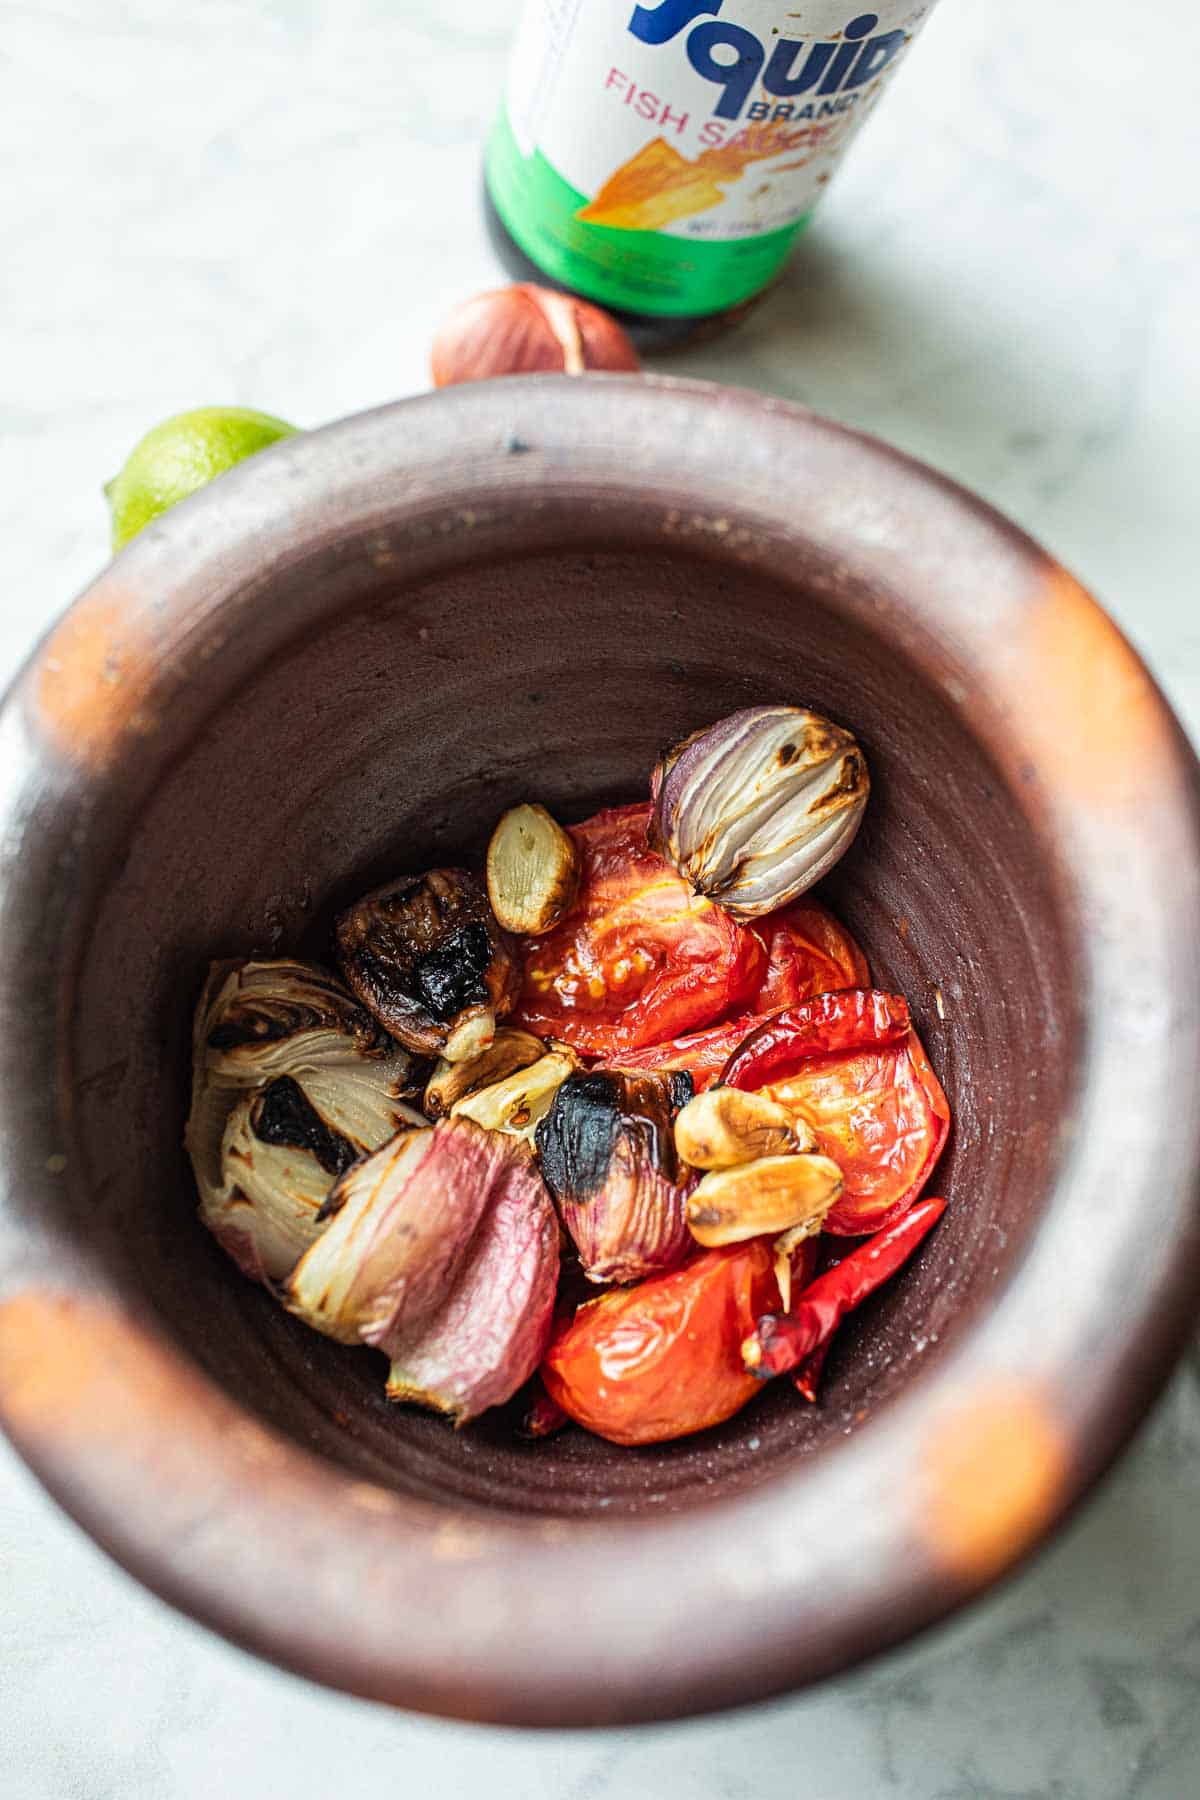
735	59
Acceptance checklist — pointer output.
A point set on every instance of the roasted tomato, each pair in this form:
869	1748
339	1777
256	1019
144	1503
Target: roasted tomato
808	953
640	958
663	1359
880	1114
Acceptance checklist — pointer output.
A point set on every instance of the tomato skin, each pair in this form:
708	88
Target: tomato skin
702	1055
640	958
809	952
663	1359
828	1024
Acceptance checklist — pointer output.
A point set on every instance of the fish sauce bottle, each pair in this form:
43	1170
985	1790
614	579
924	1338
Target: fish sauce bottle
663	159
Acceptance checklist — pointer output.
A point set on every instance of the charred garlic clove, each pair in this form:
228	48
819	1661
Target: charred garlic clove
425	955
518	1104
291	1082
608	1157
724	1127
774	1194
760	806
443	1253
510	1050
533	870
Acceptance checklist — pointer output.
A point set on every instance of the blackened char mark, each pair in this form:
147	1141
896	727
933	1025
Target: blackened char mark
681	1088
247	1028
386	985
592	1112
577	1137
284	1115
452	976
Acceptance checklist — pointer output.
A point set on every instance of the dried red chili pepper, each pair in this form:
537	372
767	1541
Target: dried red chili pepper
544	1418
662	1359
780	1342
809	952
806	1378
853	1019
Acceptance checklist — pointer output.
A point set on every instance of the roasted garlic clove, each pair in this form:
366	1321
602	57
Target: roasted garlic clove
724	1127
401	1223
291	1082
494	1327
518	1103
774	1194
760	806
511	1049
426	957
473	1032
533	868
608	1157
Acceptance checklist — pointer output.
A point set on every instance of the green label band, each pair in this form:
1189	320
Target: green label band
639	271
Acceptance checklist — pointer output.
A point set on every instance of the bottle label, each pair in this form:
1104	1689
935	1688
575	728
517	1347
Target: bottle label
664	157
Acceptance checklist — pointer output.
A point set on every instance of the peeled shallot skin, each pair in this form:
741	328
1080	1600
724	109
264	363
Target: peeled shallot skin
443	1253
492	1331
403	1220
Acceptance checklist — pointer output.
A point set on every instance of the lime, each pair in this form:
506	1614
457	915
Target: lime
183	454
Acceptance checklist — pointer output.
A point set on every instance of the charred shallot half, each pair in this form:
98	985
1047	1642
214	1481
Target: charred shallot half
620	1115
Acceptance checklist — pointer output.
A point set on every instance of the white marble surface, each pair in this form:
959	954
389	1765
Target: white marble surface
272	202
